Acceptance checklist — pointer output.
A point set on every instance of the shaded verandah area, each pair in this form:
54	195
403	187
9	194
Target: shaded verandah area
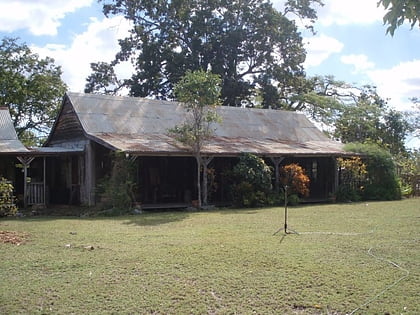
40	176
170	181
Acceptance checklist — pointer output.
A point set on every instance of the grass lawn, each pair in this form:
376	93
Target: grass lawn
347	258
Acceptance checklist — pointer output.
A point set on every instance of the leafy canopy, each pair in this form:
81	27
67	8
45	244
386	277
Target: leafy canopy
398	11
249	44
369	120
199	92
31	87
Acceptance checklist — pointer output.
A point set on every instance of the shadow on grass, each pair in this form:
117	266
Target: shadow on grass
156	218
151	218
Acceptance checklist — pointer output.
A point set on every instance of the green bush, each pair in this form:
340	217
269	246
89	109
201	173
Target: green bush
252	182
381	179
408	169
293	200
347	193
116	191
7	199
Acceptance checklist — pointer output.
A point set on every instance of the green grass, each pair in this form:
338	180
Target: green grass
217	262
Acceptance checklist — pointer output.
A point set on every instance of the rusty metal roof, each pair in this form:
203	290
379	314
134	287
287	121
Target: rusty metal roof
140	126
9	142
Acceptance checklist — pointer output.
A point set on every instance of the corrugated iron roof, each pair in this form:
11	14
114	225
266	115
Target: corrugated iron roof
140	126
9	142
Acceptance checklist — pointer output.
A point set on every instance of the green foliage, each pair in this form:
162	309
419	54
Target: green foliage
316	96
252	181
293	176
399	11
249	44
346	192
352	178
381	179
103	79
116	191
293	200
365	118
394	129
7	199
408	169
199	92
31	88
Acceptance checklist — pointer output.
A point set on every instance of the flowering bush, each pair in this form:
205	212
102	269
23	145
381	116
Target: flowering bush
352	176
293	176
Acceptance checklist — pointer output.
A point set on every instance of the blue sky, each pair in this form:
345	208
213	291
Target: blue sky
350	42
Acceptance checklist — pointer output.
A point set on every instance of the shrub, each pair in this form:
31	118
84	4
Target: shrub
293	177
293	200
352	177
7	199
408	169
252	181
381	182
116	191
347	193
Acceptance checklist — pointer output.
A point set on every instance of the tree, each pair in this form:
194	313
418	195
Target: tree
399	11
199	92
294	181
413	117
30	87
359	122
394	130
320	97
103	79
249	44
365	118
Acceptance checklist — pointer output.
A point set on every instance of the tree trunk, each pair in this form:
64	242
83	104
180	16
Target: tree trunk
198	159
205	162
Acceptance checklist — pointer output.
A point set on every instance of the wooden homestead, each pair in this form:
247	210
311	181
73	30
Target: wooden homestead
99	125
89	128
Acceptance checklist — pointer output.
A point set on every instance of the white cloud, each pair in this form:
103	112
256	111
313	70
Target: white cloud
344	12
399	83
361	63
320	48
40	17
98	43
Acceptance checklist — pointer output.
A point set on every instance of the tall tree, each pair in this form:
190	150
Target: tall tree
320	97
398	11
360	121
31	87
413	117
368	119
248	43
199	92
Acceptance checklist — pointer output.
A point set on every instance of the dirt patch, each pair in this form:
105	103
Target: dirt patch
12	237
